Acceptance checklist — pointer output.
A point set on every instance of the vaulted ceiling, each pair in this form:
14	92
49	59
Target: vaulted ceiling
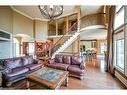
34	13
93	34
87	10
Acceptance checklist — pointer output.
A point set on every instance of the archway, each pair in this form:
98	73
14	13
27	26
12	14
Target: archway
23	44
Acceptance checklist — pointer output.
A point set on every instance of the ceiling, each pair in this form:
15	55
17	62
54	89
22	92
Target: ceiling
91	34
34	13
86	10
95	33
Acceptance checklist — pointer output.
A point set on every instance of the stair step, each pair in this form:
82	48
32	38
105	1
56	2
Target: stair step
66	44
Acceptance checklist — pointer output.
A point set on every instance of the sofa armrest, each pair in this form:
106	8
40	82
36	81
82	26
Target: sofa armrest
51	61
36	61
6	71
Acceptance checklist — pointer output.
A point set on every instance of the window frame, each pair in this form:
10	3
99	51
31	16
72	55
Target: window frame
15	44
116	13
120	9
122	69
33	46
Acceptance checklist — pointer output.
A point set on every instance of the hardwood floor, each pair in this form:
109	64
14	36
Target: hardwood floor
95	77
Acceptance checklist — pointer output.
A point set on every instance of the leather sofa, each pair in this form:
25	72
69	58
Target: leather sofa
17	68
73	64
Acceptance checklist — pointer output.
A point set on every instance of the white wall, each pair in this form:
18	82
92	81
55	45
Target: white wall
88	44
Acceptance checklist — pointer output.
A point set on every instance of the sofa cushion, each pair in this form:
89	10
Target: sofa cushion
17	71
13	63
76	60
75	69
59	66
34	66
67	59
59	58
28	60
10	79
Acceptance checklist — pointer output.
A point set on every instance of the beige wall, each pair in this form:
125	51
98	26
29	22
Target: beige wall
93	19
22	24
16	23
99	45
88	44
52	29
73	48
41	31
89	20
69	49
6	18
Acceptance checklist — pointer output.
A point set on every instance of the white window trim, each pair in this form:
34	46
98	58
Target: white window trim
116	13
122	69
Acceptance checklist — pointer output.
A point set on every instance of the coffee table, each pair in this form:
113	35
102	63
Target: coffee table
48	77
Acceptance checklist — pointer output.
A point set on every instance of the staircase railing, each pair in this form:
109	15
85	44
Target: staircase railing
64	38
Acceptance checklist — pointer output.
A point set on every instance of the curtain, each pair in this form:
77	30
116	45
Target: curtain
110	65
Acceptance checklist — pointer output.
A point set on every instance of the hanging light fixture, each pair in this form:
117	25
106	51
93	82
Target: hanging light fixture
51	11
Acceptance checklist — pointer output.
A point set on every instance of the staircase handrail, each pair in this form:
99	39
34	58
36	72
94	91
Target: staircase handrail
64	34
62	39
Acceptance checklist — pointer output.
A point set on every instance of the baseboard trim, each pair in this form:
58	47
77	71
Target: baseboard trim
121	78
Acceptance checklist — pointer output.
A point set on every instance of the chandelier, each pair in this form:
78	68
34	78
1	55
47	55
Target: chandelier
50	11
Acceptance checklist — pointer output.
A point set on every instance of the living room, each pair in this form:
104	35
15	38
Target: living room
71	51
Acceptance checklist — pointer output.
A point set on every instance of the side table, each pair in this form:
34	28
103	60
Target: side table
1	81
44	59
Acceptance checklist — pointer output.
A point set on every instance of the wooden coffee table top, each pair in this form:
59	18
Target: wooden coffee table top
48	77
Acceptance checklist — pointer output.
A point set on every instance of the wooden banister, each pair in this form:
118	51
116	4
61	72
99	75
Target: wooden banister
64	35
63	39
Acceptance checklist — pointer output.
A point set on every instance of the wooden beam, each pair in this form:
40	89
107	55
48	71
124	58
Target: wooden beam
78	10
56	28
89	40
67	24
78	44
34	32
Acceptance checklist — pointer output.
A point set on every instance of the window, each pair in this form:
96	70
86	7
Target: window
103	48
120	53
31	48
119	16
16	45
